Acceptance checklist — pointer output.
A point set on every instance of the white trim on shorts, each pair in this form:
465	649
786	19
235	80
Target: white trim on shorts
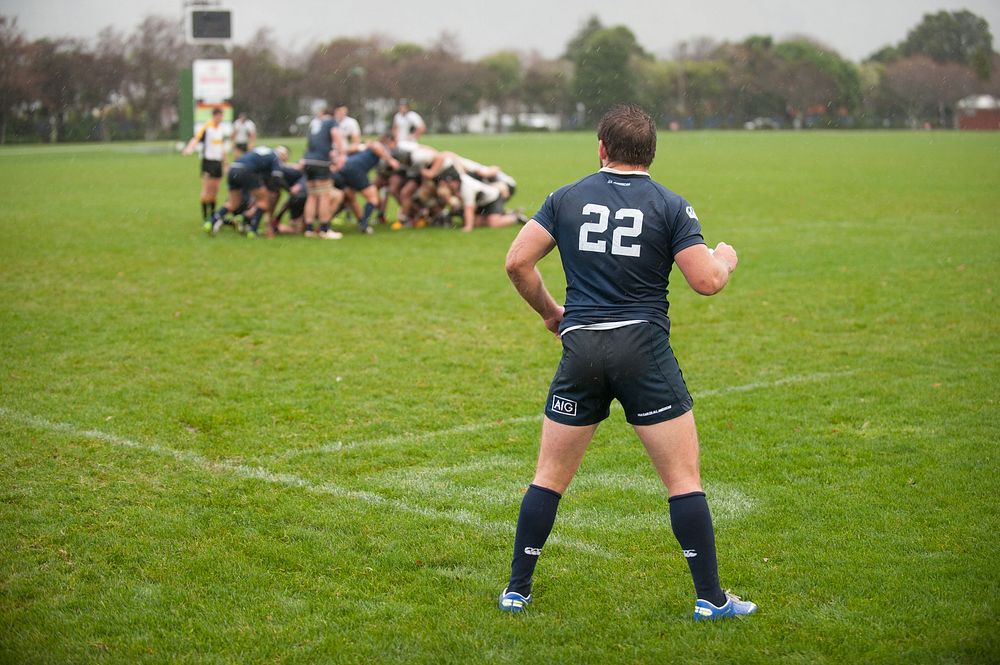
609	325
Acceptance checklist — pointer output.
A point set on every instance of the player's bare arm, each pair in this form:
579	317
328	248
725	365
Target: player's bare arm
339	149
707	270
383	154
530	246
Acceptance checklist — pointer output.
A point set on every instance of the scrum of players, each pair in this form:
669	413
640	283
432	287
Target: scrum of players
338	173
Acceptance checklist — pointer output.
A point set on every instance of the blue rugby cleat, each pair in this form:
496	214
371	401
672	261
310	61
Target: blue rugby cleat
733	607
513	602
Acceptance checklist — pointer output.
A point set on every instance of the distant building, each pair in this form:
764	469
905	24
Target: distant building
978	112
490	119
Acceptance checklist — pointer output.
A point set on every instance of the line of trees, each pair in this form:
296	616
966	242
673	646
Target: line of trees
125	86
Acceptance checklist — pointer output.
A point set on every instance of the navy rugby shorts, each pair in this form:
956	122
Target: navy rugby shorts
355	179
633	364
244	180
317	172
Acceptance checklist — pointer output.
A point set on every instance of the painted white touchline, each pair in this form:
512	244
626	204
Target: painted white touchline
290	480
491	424
407	438
802	378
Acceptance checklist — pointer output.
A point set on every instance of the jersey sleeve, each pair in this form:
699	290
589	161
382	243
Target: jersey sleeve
686	230
546	215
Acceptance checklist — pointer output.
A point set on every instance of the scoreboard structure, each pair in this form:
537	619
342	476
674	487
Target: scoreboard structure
208	84
207	23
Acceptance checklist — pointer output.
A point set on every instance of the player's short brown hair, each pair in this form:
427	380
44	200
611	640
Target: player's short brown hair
629	135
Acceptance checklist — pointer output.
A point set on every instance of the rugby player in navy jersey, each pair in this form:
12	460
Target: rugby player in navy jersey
353	176
293	181
325	146
618	234
247	191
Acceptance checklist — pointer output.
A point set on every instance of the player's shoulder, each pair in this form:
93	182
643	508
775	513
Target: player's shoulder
578	186
672	199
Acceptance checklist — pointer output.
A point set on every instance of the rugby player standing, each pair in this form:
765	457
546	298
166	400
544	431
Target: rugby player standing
213	137
349	129
244	134
407	126
325	145
618	234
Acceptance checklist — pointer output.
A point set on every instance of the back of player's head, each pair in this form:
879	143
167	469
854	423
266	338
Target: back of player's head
387	139
217	112
283	152
629	135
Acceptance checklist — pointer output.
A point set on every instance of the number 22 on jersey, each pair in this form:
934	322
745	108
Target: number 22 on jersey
630	230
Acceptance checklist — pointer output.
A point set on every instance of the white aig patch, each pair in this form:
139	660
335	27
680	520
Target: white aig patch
563	405
690	213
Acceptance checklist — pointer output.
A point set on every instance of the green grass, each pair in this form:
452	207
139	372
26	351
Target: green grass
301	451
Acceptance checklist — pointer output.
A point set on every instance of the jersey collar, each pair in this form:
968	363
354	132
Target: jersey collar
617	172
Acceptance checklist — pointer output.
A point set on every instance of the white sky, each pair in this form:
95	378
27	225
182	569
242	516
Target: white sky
855	28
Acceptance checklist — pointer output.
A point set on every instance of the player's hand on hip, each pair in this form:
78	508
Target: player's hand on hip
552	322
727	255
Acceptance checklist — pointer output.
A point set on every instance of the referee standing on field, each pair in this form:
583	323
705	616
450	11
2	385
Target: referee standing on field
618	234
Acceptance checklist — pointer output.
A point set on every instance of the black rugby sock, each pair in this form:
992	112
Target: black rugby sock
205	213
369	208
255	220
534	523
220	213
691	522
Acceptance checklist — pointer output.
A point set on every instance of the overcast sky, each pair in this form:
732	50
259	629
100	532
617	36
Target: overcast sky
855	28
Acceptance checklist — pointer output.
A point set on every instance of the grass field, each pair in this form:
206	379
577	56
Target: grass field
234	451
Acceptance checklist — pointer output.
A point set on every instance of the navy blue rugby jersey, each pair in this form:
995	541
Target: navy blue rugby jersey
617	234
319	143
363	161
291	176
260	160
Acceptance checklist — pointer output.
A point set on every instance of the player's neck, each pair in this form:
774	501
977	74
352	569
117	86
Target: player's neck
621	166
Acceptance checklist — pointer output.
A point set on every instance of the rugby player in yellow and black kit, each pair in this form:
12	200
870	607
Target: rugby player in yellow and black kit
214	138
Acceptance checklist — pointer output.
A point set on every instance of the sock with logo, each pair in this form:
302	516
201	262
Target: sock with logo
691	522
534	523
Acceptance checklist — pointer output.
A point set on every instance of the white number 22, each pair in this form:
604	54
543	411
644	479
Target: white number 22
601	225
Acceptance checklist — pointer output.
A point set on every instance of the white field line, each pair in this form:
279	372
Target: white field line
407	438
469	428
290	480
728	503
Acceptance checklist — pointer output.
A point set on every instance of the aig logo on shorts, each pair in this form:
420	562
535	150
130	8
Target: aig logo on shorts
564	406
